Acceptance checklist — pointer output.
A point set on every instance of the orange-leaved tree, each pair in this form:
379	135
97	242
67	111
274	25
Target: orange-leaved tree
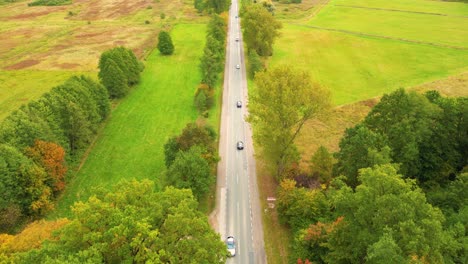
51	157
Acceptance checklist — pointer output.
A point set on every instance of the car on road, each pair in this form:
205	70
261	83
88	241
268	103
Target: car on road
237	66
239	104
240	145
237	39
231	245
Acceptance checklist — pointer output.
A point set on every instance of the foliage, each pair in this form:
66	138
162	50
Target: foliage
194	134
360	148
50	2
212	61
51	157
300	207
118	69
284	100
217	6
321	164
190	170
165	45
255	63
134	224
260	29
35	140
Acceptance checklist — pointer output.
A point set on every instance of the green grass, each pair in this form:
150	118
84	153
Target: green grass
20	87
421	27
356	68
131	144
429	6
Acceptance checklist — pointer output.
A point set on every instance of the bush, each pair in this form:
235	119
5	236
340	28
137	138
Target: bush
165	45
50	3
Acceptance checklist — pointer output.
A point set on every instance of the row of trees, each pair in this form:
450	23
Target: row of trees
211	62
393	191
191	157
38	139
34	140
119	69
131	224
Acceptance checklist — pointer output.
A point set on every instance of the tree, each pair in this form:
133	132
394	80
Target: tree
360	148
284	101
300	207
212	62
165	45
113	78
255	63
321	164
406	120
191	171
134	224
260	29
51	157
385	204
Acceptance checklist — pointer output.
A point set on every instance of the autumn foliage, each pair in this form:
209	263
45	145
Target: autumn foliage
51	157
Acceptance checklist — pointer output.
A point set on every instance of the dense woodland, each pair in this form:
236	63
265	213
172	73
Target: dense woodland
395	192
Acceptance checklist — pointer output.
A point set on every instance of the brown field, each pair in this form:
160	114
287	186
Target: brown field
59	41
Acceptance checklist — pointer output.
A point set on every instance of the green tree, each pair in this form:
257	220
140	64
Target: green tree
113	78
385	251
383	204
134	224
321	164
190	170
199	5
260	29
165	45
360	148
406	120
218	6
212	62
255	63
284	100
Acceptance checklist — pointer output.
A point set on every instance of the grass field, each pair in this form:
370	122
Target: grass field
131	144
41	46
355	68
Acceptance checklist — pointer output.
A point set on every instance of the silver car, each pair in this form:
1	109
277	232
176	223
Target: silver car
231	245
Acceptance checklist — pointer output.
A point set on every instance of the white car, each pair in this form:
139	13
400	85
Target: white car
231	245
237	66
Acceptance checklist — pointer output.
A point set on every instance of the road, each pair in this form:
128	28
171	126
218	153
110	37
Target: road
238	207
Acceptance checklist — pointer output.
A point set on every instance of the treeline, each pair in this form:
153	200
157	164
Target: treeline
33	142
211	63
132	223
40	138
216	6
50	3
394	191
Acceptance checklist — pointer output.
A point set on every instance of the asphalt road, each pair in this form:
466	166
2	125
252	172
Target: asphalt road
238	211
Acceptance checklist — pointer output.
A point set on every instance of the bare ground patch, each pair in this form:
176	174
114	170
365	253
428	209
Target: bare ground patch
22	65
108	9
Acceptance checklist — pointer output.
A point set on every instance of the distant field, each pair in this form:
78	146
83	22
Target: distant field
41	46
131	144
446	30
356	67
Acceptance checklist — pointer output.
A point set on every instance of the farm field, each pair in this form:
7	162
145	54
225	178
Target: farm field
356	67
42	46
131	144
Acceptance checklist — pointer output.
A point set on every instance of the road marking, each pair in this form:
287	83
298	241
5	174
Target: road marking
237	177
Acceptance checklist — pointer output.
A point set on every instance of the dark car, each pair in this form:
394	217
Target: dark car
239	104
240	145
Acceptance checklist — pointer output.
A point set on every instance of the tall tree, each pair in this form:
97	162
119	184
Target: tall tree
165	45
360	148
321	164
284	100
260	29
51	157
113	78
191	171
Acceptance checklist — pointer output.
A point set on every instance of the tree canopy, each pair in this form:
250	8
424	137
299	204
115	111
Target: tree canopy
285	99
165	45
134	224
